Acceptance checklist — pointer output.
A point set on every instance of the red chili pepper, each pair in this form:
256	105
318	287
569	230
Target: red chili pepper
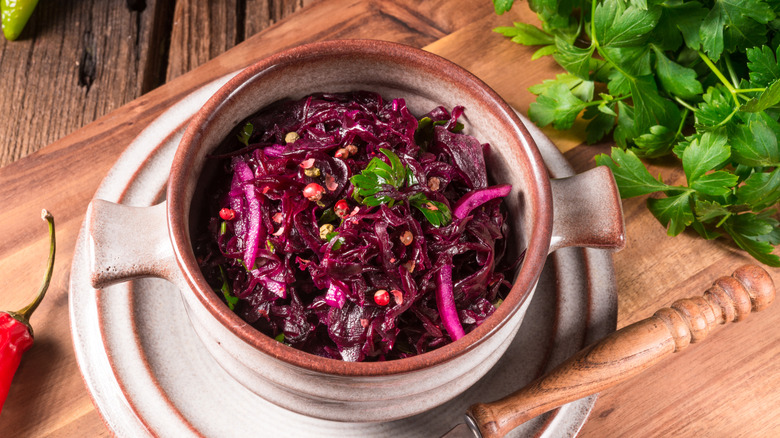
16	334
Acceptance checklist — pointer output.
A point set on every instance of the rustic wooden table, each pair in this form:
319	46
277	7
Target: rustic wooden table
87	77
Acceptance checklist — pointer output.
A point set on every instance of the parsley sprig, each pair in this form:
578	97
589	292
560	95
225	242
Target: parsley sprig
369	184
371	188
697	79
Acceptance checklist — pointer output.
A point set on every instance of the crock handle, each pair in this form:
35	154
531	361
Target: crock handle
587	211
128	242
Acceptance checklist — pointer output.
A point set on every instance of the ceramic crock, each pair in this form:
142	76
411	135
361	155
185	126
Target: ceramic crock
129	242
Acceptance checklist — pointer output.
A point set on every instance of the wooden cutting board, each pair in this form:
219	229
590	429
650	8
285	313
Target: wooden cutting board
729	386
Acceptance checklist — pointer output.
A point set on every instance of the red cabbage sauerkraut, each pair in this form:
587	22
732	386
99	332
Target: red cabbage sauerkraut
344	226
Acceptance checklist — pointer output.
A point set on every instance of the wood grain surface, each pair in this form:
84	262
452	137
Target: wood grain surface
78	60
142	61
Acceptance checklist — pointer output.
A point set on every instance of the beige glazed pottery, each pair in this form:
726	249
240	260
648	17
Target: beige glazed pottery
583	210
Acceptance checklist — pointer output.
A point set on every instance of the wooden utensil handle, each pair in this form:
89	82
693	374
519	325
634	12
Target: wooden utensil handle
630	350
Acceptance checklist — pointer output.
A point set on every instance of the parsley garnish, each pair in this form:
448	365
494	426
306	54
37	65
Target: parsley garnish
437	213
230	299
377	174
339	240
245	133
697	79
370	183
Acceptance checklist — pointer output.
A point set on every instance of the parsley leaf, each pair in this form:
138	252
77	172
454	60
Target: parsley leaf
502	6
245	133
709	210
369	184
674	212
631	175
337	243
760	190
679	20
767	99
676	79
754	234
650	108
526	34
763	65
717	183
626	128
657	142
711	33
574	59
707	152
619	26
556	105
716	108
437	213
600	125
544	51
582	89
755	145
734	23
618	83
705	232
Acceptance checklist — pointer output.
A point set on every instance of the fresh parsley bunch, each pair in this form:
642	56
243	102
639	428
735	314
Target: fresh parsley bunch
697	79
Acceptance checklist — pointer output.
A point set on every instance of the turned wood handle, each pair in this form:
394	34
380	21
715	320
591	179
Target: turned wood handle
630	350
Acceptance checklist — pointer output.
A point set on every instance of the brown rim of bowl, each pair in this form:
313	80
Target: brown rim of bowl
539	194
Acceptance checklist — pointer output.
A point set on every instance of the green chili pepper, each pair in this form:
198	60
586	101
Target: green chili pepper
15	15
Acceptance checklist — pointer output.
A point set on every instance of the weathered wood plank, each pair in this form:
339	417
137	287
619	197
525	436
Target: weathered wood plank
203	29
87	58
75	61
153	42
260	14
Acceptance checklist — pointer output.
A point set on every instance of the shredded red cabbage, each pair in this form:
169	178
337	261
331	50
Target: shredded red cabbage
357	231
